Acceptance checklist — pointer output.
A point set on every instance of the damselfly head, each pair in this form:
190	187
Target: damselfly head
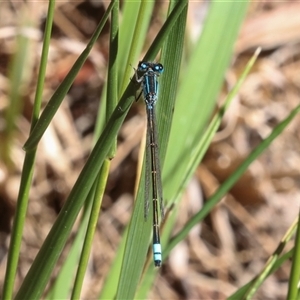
145	66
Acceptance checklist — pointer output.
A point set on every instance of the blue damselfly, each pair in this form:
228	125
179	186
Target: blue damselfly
147	74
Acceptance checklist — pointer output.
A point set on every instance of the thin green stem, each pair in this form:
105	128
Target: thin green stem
293	291
91	230
271	262
55	101
111	103
144	15
208	206
28	168
112	78
239	294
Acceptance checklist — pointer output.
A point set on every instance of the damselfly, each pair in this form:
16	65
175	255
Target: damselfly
149	73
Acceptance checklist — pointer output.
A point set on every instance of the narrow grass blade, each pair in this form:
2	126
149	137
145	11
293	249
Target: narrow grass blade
208	206
64	282
293	290
40	271
83	262
195	159
110	285
242	291
111	102
207	137
130	13
171	56
165	30
200	86
247	291
28	166
43	265
112	77
64	87
137	39
270	263
139	230
17	76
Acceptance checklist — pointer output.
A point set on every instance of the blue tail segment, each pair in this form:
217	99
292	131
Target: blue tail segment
157	257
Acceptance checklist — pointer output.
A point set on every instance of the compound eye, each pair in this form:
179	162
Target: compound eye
159	68
142	66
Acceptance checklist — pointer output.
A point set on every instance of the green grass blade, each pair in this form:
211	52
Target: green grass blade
207	137
83	262
58	96
40	271
242	291
200	86
43	265
271	266
112	77
137	40
171	56
165	30
18	225
195	157
139	230
17	77
270	263
63	282
44	59
129	16
28	167
293	289
110	285
227	185
112	97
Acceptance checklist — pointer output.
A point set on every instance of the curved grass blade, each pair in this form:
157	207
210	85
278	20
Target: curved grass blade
55	101
171	56
241	292
61	288
129	16
293	291
132	50
227	185
130	283
40	271
199	152
139	230
270	263
84	258
200	86
28	168
100	183
207	137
